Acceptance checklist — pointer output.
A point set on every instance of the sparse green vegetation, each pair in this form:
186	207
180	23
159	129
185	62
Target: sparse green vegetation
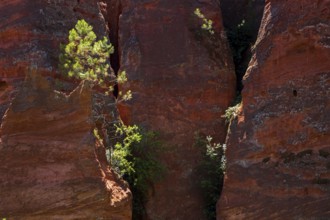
232	112
207	23
86	58
213	168
121	156
136	159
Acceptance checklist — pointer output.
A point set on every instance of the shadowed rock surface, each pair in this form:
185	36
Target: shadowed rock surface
278	147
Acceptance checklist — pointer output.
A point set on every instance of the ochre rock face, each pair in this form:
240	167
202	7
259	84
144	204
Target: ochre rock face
279	147
182	81
31	33
51	167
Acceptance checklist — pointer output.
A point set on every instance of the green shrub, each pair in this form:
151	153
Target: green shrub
212	168
207	24
135	156
232	112
86	58
136	159
121	156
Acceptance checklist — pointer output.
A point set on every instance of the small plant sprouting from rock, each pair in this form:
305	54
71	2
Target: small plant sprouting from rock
86	58
212	169
135	158
207	23
122	152
232	112
216	151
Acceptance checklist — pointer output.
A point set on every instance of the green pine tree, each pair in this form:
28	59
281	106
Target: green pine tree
86	58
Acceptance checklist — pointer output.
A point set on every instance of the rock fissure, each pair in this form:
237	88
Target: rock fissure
241	20
114	10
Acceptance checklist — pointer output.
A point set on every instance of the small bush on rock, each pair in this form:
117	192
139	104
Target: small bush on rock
212	169
136	159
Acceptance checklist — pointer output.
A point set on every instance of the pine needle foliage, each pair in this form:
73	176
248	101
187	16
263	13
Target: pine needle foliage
86	58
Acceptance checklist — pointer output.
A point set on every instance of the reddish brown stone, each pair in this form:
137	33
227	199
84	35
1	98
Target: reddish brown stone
278	147
51	167
182	81
31	33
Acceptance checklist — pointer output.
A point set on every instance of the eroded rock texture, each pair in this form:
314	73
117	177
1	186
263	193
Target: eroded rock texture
31	33
279	146
182	80
51	167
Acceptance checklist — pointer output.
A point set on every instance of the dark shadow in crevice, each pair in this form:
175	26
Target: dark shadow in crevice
241	19
114	10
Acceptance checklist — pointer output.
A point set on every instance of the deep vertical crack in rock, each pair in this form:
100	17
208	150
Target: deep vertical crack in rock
114	9
242	21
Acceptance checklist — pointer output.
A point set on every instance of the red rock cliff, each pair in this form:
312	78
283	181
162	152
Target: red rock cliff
51	167
31	33
279	146
182	83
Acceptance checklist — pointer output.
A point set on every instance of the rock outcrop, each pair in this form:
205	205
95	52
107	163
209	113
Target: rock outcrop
51	167
31	33
182	79
279	146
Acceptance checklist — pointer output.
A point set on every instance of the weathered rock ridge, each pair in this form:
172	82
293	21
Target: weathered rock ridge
51	167
182	79
279	146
